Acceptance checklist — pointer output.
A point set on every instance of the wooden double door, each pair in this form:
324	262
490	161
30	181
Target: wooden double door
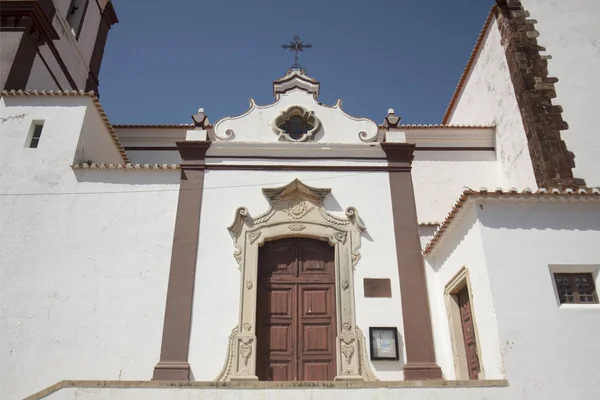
296	321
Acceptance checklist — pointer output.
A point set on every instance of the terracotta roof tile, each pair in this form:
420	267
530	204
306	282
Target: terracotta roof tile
469	65
92	95
127	166
442	126
544	195
177	126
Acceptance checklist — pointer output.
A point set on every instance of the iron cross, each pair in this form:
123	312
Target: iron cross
296	45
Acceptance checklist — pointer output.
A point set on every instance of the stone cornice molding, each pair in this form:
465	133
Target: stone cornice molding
399	154
193	152
296	80
297	210
284	192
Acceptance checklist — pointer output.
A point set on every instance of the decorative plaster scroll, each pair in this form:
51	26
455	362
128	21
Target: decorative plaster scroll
362	135
226	371
296	208
365	367
229	135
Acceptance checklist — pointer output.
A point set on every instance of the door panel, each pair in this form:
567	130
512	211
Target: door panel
316	370
316	261
296	327
315	301
468	329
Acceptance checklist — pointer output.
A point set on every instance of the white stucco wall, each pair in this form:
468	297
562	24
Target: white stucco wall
216	292
570	32
95	143
464	249
488	98
551	351
545	350
84	259
440	176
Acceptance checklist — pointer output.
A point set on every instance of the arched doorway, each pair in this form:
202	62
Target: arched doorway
296	311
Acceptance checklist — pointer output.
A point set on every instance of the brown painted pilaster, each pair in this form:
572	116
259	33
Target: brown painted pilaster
418	335
173	364
534	90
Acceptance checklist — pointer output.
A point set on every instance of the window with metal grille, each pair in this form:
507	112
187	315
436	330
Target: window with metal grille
576	288
36	134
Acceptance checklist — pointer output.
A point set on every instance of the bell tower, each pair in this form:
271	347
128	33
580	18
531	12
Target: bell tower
53	45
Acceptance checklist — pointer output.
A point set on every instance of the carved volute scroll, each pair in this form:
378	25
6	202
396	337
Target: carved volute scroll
297	210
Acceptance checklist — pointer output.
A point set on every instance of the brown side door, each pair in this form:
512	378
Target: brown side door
468	329
296	311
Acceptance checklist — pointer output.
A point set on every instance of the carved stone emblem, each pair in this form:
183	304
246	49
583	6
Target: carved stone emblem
248	284
246	350
298	208
296	227
247	327
345	284
346	326
348	349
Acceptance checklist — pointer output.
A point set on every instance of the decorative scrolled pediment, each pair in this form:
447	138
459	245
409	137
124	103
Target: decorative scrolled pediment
296	116
293	203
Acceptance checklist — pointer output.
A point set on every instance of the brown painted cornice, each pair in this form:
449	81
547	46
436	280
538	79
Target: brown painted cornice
110	14
28	14
399	155
193	152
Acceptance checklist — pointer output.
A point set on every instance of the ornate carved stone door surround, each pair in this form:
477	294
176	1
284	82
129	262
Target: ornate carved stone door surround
418	335
296	210
173	364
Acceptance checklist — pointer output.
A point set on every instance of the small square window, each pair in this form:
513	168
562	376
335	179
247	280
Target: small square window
36	133
576	288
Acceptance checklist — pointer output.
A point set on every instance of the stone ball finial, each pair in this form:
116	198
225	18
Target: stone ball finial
391	120
200	119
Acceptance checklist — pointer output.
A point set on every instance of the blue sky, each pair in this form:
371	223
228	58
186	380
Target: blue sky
162	62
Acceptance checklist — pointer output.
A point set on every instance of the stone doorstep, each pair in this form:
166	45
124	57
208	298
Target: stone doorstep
267	385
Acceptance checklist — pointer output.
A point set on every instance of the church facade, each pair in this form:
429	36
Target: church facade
296	250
